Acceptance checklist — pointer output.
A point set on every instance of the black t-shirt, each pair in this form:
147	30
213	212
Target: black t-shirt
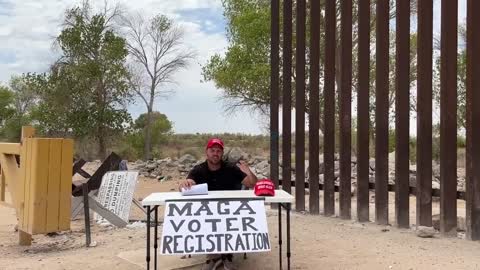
228	177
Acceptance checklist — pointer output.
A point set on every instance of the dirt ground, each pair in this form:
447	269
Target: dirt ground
317	242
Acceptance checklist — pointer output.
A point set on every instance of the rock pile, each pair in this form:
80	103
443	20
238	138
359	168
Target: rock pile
391	172
163	169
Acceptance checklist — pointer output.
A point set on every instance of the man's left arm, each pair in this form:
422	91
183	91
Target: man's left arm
250	179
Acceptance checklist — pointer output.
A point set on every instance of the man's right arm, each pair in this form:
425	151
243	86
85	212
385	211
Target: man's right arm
187	184
190	181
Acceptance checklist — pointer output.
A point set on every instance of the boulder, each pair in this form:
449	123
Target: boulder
151	166
234	154
413	180
157	171
321	168
461	183
391	159
371	162
262	165
391	180
413	169
435	185
426	232
172	164
187	159
140	166
262	170
436	170
164	161
461	223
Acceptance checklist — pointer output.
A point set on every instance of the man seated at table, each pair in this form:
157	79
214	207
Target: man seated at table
219	175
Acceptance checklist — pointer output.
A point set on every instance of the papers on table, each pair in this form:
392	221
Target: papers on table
201	189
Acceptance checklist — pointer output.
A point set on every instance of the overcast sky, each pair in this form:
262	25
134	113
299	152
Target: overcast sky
28	27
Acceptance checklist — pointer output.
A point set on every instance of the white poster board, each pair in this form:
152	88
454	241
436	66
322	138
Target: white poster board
214	226
116	193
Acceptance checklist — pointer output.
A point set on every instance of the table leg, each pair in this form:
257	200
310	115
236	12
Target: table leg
156	235
288	234
280	234
148	237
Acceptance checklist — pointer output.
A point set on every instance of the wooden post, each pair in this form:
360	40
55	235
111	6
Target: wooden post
27	132
10	172
2	186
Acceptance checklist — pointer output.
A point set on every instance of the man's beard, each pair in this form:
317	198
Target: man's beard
214	160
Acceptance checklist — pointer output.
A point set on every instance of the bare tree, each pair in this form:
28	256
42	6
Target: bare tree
157	50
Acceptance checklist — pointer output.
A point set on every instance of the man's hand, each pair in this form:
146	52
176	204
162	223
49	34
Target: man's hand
187	184
243	165
249	180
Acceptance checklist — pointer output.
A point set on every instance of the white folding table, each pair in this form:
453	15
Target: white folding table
154	200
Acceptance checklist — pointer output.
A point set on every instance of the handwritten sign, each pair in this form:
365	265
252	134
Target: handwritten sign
116	193
215	226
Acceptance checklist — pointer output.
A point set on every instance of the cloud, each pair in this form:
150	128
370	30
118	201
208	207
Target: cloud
29	27
208	19
27	35
195	107
6	7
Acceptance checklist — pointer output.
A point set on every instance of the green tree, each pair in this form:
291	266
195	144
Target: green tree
55	112
24	93
243	73
7	110
20	98
87	91
163	125
6	104
161	128
461	76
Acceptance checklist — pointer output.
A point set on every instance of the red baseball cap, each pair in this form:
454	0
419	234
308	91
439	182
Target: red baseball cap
214	141
264	187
